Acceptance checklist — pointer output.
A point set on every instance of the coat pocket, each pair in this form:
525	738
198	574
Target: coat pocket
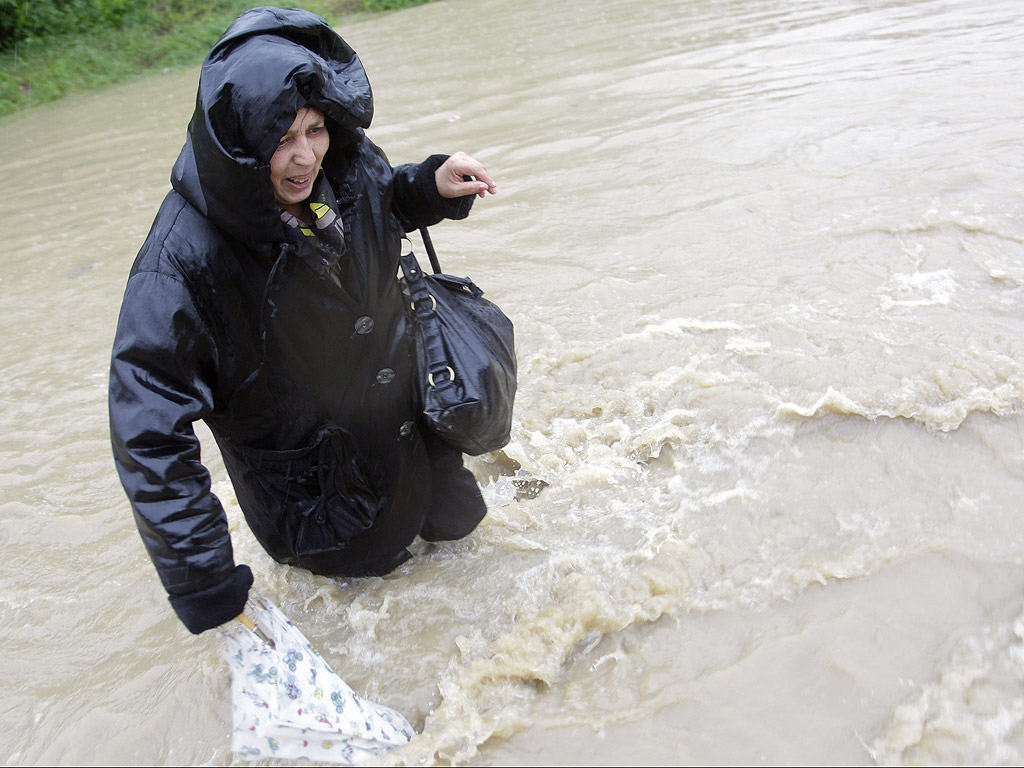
317	497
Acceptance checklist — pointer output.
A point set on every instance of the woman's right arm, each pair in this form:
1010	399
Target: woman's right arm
162	368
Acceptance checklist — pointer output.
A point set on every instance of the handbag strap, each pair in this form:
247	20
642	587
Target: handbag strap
429	245
425	310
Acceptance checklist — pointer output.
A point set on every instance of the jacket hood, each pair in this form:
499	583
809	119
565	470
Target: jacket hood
268	64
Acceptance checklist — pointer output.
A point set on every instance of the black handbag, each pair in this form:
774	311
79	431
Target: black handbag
465	354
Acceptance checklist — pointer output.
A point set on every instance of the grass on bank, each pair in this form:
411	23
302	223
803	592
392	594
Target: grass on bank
41	69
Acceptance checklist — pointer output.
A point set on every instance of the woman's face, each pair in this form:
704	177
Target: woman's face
296	162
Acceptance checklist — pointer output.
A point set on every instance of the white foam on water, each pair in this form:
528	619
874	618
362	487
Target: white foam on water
972	714
920	289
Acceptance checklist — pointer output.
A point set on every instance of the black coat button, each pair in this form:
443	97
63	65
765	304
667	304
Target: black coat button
364	324
385	376
406	429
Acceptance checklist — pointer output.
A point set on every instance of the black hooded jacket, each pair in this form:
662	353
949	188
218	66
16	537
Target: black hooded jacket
306	382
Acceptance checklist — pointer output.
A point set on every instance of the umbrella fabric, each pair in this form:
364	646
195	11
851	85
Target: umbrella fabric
288	703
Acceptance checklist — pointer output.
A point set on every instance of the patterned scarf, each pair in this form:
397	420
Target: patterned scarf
321	245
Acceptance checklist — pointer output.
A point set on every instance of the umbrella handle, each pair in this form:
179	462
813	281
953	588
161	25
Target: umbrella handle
248	624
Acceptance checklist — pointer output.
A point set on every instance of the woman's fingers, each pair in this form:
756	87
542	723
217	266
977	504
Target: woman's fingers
462	175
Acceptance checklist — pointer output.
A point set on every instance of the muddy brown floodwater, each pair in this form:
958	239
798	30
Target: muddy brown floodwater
765	263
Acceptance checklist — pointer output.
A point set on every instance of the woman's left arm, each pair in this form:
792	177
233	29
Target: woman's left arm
425	193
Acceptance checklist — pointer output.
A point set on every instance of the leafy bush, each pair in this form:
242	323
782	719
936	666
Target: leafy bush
24	19
390	5
49	48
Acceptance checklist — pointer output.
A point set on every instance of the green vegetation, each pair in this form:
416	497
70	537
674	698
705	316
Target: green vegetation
50	48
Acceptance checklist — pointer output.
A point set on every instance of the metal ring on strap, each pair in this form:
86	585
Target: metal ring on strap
432	308
451	375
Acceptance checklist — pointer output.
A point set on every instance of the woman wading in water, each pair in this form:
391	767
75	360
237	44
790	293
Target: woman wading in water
265	302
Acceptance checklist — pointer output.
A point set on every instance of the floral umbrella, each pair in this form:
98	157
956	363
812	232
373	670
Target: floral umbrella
288	703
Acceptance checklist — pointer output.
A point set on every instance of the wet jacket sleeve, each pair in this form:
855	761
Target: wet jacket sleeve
161	368
415	199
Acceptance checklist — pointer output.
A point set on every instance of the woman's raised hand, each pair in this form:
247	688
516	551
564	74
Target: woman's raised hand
451	177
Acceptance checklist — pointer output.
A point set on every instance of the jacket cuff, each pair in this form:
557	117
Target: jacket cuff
209	608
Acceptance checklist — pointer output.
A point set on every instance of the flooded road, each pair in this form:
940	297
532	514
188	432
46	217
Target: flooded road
766	265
